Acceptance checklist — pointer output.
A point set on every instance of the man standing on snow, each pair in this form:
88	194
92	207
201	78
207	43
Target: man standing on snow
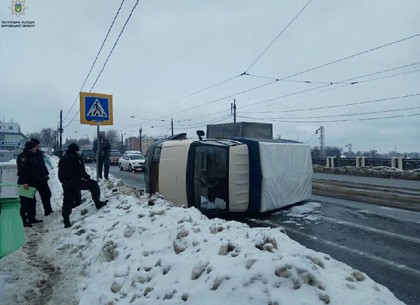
104	150
73	178
42	185
28	175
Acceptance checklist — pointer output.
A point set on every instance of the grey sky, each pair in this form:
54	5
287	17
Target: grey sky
173	48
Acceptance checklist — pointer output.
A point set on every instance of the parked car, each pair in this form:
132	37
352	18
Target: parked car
88	155
114	157
132	162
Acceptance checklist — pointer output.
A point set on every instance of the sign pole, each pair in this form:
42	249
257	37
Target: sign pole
96	109
97	150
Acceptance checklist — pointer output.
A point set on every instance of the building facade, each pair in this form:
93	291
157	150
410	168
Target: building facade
12	140
133	143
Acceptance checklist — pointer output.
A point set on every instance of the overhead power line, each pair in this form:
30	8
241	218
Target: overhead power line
252	64
271	43
319	87
299	73
336	115
220	99
345	83
347	104
115	44
109	55
352	56
196	92
350	120
96	58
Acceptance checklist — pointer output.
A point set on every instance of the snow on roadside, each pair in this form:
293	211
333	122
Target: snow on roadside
132	253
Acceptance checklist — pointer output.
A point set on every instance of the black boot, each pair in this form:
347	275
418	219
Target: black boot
35	221
67	223
101	204
27	224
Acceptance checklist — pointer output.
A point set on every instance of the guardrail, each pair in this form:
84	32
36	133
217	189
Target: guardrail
400	163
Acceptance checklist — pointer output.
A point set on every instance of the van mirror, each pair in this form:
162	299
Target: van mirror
200	134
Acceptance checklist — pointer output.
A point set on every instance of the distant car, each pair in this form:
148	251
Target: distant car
88	155
132	162
114	157
133	152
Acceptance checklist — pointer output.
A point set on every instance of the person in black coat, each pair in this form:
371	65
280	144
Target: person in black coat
103	160
28	175
73	178
42	185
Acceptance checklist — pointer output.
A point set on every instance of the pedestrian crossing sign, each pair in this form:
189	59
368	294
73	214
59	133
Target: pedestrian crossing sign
95	108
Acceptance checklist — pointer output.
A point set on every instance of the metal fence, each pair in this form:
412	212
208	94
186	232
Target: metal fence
408	164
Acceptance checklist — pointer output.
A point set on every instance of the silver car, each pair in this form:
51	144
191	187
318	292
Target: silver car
132	162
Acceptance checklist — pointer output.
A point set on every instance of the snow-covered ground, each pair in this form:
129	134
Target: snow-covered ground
370	171
131	252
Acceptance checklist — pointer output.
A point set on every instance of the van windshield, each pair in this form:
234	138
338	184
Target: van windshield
211	177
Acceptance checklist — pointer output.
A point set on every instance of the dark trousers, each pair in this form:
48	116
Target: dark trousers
72	195
103	163
93	188
27	209
45	193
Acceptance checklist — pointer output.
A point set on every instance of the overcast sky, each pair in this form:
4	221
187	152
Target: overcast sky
174	48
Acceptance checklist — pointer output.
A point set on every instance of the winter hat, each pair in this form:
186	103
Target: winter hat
36	141
73	147
29	145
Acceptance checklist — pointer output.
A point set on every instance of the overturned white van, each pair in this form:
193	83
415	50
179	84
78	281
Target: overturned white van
229	176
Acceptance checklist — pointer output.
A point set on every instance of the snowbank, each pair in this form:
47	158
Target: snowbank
131	252
370	171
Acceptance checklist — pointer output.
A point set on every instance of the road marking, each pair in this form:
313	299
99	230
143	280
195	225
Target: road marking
407	238
352	250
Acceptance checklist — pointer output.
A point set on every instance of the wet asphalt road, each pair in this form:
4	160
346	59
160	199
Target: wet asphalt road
381	241
135	179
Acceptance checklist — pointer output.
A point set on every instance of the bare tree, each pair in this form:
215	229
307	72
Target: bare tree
48	136
113	138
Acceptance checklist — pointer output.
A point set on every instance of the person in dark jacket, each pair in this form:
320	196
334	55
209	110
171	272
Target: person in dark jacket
103	160
28	175
42	185
73	178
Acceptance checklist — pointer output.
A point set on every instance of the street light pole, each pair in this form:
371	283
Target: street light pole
172	126
140	130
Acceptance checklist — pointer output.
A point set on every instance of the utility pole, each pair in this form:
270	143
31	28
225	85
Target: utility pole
321	142
60	130
56	138
98	152
172	126
233	110
140	130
